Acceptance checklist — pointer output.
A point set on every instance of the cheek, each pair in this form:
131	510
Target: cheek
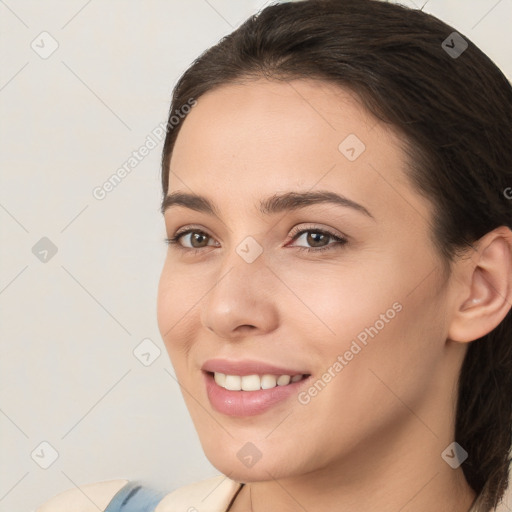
334	302
175	309
365	398
390	353
386	328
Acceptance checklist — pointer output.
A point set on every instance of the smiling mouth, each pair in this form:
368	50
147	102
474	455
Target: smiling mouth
255	382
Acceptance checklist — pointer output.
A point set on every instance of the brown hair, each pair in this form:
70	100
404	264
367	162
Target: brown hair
455	115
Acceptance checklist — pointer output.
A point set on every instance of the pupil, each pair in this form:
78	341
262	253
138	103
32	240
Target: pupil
315	241
196	235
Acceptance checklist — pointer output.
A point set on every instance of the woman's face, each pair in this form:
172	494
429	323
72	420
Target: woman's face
366	318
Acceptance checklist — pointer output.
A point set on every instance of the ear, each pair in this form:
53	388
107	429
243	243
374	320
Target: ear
485	288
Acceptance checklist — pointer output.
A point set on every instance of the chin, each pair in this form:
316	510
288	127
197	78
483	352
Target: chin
260	471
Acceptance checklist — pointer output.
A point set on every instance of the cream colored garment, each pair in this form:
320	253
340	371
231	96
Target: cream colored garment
211	495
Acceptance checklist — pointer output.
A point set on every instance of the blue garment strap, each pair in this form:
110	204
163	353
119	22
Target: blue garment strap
135	497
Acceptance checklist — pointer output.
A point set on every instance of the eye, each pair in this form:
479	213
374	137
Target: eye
321	236
176	239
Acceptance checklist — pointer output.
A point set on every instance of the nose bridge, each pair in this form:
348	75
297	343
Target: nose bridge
246	240
241	272
239	295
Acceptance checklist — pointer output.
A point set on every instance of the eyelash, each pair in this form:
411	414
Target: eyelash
339	240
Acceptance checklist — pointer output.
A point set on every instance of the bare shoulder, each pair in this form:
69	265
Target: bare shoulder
86	498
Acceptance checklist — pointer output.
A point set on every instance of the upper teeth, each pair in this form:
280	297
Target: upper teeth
253	382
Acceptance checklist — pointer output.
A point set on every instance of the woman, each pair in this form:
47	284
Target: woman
337	291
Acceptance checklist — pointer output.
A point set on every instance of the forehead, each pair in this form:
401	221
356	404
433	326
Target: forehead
239	120
242	142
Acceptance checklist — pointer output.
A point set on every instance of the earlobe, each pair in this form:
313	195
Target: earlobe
486	296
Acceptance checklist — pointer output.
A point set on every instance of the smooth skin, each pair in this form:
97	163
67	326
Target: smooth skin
372	438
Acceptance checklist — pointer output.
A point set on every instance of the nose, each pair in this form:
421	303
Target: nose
242	300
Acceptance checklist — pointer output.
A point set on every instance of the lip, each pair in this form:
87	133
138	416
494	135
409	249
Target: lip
248	367
248	403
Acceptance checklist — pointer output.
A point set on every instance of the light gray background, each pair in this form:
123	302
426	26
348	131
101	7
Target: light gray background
69	326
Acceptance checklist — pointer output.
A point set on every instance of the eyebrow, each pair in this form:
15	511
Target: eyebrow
274	204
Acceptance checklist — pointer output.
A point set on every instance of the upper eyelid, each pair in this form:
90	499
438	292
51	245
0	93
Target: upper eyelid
305	225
